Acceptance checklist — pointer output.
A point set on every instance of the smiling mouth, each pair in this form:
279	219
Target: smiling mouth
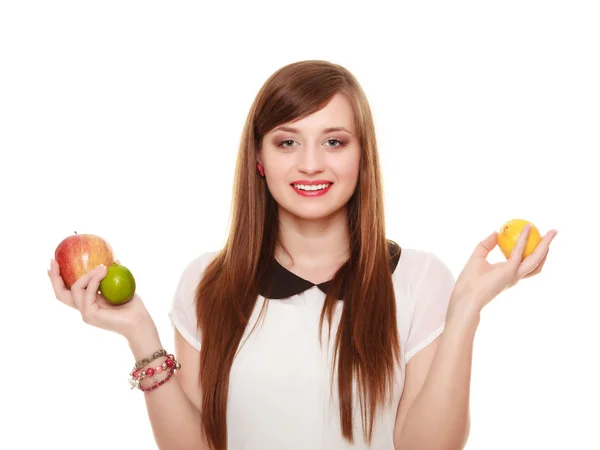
312	187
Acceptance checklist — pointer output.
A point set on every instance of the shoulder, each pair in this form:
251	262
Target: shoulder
418	266
201	261
423	284
194	269
189	278
183	307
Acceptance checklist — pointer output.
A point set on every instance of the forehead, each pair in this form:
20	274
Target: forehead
337	113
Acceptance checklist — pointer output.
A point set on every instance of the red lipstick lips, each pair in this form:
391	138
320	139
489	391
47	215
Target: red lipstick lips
312	188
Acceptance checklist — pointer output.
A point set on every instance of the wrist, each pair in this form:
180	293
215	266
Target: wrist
465	312
144	343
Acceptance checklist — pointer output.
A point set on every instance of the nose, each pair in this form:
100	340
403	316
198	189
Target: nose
311	160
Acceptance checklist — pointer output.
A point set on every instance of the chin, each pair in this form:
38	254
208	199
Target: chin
322	207
312	213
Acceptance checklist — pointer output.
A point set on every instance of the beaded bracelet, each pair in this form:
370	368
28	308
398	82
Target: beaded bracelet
160	383
144	362
137	375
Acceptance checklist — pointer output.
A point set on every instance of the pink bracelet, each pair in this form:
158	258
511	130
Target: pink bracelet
137	375
160	383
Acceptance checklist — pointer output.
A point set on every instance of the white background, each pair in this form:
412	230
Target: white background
123	119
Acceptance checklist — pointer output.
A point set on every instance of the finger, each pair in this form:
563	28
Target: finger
484	248
533	261
79	287
58	285
89	306
537	270
516	256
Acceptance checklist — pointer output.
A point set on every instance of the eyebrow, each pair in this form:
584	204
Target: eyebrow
295	130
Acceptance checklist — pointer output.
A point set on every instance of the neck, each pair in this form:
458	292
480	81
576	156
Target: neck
313	242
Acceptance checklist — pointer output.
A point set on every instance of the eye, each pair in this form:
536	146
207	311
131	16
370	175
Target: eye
282	144
340	143
289	143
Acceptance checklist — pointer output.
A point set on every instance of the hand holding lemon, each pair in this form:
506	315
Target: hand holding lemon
118	286
509	234
525	252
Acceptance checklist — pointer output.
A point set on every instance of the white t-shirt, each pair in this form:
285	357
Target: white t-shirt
279	393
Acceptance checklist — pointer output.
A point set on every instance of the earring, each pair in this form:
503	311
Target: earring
260	169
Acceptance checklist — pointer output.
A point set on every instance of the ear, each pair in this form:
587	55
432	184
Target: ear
258	154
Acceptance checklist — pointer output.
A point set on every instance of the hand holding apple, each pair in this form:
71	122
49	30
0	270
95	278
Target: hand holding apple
77	254
85	276
129	320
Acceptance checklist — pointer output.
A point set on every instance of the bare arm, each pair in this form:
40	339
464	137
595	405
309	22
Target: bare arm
174	407
435	413
434	409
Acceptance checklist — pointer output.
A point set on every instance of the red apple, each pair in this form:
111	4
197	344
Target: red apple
78	254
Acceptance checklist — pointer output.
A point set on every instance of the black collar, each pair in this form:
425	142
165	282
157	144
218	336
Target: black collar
284	283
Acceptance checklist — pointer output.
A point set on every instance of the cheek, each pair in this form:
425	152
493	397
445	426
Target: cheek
278	166
346	167
277	170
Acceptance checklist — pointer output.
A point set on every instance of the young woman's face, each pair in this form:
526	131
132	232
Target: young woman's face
311	165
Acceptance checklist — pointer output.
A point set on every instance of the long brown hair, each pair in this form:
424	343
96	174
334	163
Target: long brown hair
366	344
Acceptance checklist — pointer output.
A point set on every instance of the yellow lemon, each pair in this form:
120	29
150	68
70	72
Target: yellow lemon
118	286
509	234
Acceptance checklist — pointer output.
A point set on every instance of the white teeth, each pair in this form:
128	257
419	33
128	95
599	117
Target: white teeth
313	187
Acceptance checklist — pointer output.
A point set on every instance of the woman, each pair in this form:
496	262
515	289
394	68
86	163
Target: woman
310	329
